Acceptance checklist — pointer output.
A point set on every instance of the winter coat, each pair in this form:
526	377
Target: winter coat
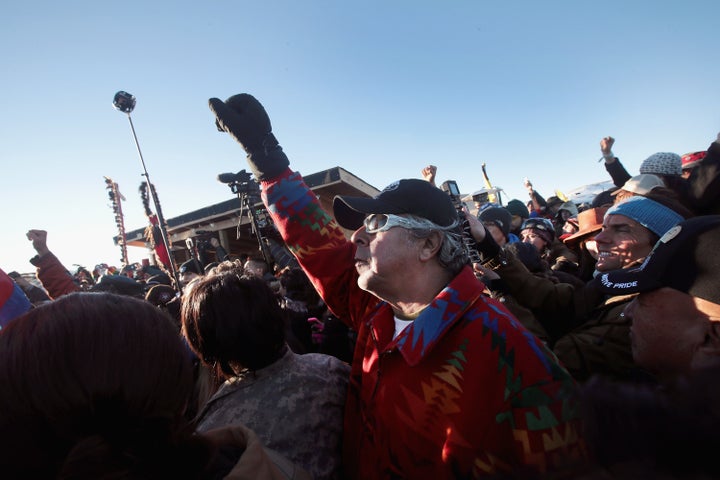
590	335
295	406
464	391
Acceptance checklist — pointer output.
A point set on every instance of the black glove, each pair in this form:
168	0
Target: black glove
243	117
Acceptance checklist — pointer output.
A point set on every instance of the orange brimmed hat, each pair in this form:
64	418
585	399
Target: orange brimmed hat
589	221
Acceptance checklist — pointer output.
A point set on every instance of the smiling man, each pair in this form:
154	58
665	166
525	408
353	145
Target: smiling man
630	229
676	316
444	383
590	334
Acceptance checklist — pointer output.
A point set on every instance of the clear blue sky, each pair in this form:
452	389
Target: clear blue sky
381	88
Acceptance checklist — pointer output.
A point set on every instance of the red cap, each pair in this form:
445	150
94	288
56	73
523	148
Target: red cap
690	160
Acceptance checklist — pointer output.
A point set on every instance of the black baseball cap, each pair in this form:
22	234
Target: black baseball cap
685	259
410	196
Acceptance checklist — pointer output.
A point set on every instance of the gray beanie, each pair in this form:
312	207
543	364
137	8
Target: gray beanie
662	163
570	207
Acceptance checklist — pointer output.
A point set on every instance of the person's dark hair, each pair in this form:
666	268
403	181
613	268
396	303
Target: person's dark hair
604	198
670	199
233	322
298	286
675	183
95	386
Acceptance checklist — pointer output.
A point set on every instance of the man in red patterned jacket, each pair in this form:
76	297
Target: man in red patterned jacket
445	383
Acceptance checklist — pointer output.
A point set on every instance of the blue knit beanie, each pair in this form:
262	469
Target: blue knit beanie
650	214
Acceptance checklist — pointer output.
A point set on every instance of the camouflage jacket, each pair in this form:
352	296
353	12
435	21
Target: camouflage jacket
295	406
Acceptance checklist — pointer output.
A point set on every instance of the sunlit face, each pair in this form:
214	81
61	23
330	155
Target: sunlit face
622	242
529	236
670	329
383	259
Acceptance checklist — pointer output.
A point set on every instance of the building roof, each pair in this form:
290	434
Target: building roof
326	184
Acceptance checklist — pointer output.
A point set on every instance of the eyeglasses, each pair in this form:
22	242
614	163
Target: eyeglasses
380	222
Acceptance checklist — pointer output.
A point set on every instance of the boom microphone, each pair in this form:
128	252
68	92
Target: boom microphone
227	177
125	102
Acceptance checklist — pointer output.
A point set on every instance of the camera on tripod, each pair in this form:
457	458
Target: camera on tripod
241	183
202	239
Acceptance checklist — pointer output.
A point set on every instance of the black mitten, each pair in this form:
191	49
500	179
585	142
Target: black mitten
243	117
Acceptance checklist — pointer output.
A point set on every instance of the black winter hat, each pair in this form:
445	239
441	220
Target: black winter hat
604	198
119	284
499	216
541	226
516	207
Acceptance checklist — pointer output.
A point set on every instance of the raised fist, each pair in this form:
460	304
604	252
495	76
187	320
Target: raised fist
245	119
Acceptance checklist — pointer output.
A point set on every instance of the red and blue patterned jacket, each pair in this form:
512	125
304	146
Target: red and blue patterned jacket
463	392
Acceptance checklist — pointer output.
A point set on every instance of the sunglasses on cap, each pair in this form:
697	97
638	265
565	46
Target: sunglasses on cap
380	222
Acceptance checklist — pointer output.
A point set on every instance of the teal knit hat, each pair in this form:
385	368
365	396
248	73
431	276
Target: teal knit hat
650	214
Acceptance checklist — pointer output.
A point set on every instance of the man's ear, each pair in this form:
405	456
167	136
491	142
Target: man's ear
714	334
431	245
709	352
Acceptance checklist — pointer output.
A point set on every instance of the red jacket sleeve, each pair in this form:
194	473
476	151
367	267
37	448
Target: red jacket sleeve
55	278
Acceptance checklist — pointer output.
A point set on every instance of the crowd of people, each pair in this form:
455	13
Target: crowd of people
582	344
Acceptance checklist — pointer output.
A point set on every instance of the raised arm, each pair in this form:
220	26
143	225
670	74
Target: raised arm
310	233
429	173
53	276
617	171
